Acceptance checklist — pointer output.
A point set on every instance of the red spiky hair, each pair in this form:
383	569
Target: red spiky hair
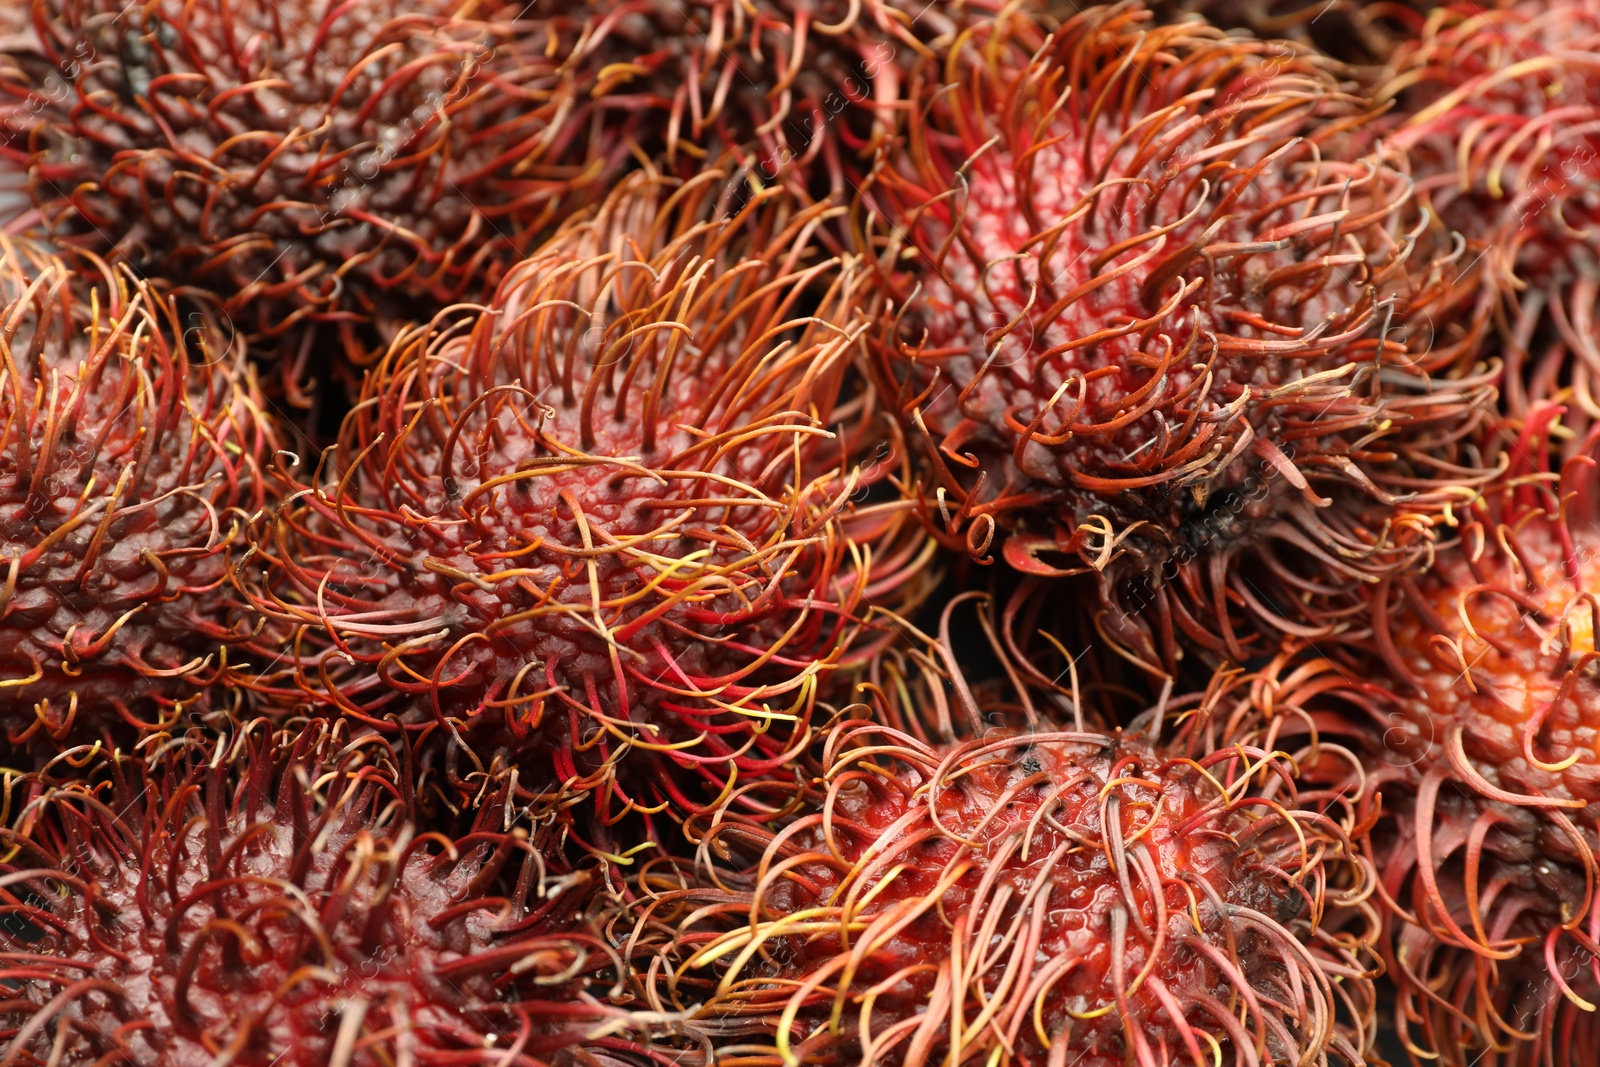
1486	901
1035	898
131	438
802	86
612	509
1472	712
1499	113
299	159
1494	870
273	900
1148	312
304	160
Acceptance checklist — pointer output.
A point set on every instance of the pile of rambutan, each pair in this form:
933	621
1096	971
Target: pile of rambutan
762	533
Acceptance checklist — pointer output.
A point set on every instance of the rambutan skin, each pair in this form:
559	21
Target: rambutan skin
1472	716
1493	725
1026	898
1493	646
800	89
611	510
131	439
271	899
1152	306
1479	935
1497	110
332	163
299	160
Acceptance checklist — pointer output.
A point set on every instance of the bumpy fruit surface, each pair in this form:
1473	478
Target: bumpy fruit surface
1499	116
1053	897
1498	710
800	86
129	459
331	163
1154	316
301	160
614	509
271	900
1467	729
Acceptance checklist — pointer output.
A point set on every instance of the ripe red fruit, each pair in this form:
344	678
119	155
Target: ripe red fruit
1487	903
300	160
1499	114
1496	872
1473	721
1517	990
272	900
967	903
130	441
1151	311
801	86
613	509
331	162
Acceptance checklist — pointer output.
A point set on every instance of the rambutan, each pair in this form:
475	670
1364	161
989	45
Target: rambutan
1494	869
1052	897
271	899
300	160
1473	720
799	87
1485	926
1499	115
1491	969
1152	312
615	508
130	441
306	161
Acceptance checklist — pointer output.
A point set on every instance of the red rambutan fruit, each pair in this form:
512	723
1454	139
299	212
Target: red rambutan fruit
1491	969
800	86
1473	713
298	159
272	900
1484	900
1499	115
1150	312
621	506
130	442
303	160
1493	869
1053	897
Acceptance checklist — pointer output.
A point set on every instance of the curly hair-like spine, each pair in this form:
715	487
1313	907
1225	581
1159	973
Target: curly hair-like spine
612	510
1148	298
918	902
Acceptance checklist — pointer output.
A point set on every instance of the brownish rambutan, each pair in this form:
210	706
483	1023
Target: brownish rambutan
1482	775
299	159
1486	915
622	506
801	86
1499	116
1492	970
1053	897
130	440
271	899
306	160
1149	311
1493	871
